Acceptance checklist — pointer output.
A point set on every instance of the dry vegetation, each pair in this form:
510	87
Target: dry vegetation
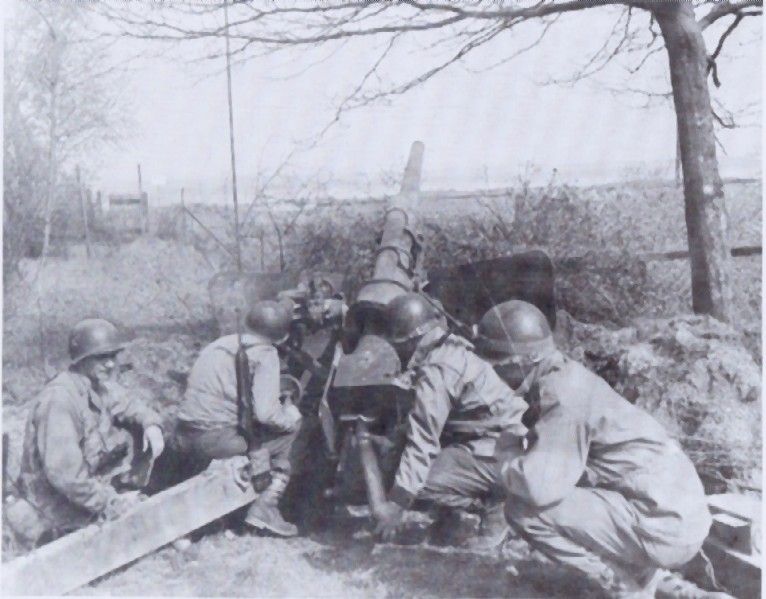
156	287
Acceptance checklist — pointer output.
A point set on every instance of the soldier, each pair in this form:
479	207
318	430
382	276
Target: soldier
597	484
208	417
461	406
77	443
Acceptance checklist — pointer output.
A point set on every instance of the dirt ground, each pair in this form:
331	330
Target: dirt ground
165	306
336	563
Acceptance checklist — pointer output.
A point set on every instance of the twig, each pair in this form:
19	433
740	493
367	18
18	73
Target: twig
209	232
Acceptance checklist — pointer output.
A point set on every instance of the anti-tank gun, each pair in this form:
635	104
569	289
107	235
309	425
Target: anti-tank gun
366	409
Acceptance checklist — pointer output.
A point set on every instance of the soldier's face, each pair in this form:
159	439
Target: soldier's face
512	372
405	350
99	369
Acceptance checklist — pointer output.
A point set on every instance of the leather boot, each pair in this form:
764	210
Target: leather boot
264	512
492	532
453	527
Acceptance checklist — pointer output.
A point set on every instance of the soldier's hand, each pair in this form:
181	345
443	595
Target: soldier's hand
154	440
389	517
510	445
121	503
292	416
333	309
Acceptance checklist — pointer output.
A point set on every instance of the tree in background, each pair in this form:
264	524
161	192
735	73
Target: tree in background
63	102
448	32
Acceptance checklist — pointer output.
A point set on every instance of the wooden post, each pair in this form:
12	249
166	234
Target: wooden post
183	217
238	248
263	249
84	210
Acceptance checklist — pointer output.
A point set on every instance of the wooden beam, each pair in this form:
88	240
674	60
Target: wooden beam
736	563
82	556
738	572
577	262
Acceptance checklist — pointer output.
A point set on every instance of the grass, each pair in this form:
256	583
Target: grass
157	290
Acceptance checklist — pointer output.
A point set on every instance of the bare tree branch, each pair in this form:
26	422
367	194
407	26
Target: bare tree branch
721	9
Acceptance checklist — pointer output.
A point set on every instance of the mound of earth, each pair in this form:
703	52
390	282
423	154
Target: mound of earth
695	375
157	370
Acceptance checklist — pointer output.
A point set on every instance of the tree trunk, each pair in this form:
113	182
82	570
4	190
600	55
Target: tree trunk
706	217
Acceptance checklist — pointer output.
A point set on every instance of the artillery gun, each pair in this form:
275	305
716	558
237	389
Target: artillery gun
362	410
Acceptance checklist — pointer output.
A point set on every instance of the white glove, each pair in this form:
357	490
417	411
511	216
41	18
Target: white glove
292	416
153	440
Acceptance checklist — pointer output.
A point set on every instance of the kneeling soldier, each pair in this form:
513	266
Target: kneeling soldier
597	484
461	407
209	415
76	442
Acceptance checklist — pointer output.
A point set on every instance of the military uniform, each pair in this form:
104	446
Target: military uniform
207	418
75	443
461	407
602	480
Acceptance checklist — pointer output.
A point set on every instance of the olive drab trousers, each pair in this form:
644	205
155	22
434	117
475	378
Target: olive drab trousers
273	449
593	526
460	479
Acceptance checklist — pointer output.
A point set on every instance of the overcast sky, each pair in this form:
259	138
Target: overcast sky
477	127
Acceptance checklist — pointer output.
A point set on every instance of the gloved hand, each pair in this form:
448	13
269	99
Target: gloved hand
154	440
121	503
291	416
389	517
333	309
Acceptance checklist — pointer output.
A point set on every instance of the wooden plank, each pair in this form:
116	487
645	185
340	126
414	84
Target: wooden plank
733	532
124	199
80	557
738	572
736	504
577	262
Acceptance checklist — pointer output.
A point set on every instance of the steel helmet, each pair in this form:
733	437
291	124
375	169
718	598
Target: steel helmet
515	329
409	316
270	319
94	337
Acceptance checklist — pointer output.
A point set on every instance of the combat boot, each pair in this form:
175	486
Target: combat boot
671	585
493	531
264	512
453	526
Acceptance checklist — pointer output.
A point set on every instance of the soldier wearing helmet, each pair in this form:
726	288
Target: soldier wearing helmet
597	484
76	442
208	417
461	407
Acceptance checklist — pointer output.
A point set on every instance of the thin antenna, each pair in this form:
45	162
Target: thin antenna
238	252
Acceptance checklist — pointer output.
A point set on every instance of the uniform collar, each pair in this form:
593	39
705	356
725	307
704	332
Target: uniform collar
428	343
546	366
250	338
85	388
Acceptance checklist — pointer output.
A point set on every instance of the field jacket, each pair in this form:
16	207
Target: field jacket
589	435
74	445
210	400
459	399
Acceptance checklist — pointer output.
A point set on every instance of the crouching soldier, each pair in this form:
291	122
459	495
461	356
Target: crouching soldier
77	441
597	484
461	407
209	415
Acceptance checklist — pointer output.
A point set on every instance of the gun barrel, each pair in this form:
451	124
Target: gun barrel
397	270
398	260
